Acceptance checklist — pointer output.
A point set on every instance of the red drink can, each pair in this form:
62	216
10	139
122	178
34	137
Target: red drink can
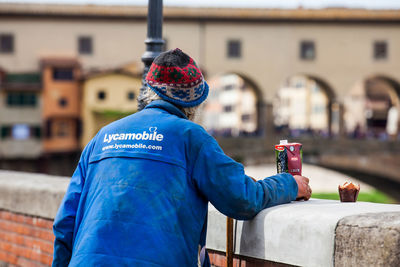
289	157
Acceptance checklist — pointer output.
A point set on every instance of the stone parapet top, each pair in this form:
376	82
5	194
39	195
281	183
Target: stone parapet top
302	233
32	194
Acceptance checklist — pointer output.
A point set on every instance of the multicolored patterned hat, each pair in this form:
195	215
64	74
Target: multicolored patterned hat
175	77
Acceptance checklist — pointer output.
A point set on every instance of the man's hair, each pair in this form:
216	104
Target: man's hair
149	96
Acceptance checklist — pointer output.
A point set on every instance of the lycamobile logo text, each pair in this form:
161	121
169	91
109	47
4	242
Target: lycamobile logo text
153	135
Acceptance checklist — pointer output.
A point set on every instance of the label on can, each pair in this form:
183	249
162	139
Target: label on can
289	158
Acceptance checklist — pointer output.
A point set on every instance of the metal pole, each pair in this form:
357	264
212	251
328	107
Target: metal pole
229	242
154	41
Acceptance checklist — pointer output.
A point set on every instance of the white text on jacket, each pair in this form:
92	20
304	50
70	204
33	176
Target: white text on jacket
153	135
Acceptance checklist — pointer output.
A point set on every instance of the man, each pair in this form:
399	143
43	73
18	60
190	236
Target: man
140	193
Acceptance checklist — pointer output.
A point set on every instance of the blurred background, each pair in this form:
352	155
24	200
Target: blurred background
322	73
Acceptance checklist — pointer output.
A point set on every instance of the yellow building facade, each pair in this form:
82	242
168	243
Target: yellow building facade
106	97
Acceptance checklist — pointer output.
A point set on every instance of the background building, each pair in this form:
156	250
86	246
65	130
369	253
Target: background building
61	104
368	104
231	108
302	106
107	96
20	115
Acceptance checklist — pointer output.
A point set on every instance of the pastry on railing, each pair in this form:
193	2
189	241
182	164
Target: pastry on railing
348	192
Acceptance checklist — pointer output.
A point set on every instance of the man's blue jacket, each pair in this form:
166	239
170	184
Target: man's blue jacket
140	193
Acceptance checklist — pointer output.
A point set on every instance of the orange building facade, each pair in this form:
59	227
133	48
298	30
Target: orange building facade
61	104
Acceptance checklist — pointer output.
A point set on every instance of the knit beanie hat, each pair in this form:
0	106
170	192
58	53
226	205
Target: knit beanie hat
175	77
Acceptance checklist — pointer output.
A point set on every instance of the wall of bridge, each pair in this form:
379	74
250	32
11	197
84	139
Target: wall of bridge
269	55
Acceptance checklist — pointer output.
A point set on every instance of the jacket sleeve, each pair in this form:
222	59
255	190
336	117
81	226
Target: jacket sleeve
64	222
223	182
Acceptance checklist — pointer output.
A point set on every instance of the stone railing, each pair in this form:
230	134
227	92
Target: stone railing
313	233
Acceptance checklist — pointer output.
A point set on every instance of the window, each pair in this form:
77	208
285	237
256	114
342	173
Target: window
380	50
63	74
21	131
131	95
85	45
229	87
246	117
234	49
101	95
6	43
300	84
78	128
228	108
62	129
36	131
21	99
49	128
307	50
63	102
5	131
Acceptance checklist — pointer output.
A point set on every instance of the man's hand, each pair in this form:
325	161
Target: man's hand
304	189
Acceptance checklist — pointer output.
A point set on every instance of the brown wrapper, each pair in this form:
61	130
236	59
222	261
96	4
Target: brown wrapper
348	192
348	195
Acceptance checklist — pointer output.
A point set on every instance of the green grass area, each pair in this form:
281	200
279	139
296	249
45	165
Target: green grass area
115	114
372	196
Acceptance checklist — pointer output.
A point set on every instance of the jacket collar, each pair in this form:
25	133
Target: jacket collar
162	104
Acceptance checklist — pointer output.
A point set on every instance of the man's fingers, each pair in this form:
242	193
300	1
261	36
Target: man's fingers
308	192
304	187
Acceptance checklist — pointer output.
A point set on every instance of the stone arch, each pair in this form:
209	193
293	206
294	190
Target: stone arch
314	95
250	90
394	84
260	104
325	85
334	107
368	104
